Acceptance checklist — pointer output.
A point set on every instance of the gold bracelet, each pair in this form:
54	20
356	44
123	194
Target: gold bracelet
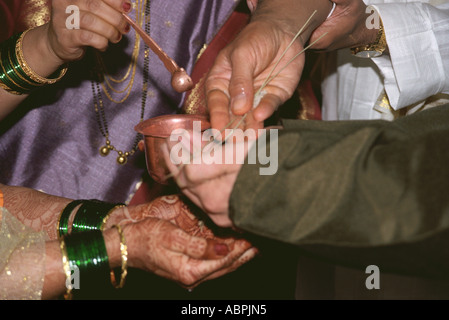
8	89
124	255
26	68
105	219
65	264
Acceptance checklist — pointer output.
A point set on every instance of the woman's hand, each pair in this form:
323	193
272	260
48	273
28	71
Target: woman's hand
100	22
166	238
171	242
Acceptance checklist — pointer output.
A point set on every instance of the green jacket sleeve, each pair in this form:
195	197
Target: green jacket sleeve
356	192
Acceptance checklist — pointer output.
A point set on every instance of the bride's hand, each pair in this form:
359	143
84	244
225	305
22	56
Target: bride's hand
166	238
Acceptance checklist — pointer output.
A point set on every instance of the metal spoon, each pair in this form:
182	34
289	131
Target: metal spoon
180	80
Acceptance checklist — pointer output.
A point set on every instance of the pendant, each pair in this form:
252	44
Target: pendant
104	151
122	158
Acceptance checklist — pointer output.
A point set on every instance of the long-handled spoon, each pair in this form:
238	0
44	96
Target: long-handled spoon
180	80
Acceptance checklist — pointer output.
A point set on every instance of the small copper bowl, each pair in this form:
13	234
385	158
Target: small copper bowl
156	131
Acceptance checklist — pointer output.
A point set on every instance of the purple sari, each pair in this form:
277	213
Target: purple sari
52	141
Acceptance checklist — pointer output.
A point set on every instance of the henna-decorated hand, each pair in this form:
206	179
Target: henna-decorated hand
166	238
159	246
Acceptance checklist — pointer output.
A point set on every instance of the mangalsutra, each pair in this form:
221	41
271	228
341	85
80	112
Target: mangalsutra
100	114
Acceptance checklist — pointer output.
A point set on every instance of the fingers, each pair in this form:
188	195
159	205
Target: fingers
95	24
195	247
218	106
207	270
229	86
193	272
247	256
267	106
241	83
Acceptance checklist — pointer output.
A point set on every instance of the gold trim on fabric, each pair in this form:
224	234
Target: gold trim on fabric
35	13
193	101
201	51
384	103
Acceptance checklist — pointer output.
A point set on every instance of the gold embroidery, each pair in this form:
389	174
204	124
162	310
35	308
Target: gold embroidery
35	13
201	51
196	98
384	103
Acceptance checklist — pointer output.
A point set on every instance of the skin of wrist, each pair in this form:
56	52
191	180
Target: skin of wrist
120	216
285	13
112	241
38	53
132	237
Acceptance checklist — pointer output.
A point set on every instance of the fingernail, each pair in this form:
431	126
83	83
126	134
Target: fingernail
127	28
238	103
127	6
251	6
221	249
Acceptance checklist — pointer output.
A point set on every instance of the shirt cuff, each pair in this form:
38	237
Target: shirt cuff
414	69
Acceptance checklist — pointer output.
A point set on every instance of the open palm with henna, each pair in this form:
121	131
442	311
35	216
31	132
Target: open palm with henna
167	238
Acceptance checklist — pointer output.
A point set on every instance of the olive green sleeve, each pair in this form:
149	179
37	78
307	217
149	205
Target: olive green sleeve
356	192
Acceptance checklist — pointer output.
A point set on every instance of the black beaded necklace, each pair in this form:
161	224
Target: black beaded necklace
122	157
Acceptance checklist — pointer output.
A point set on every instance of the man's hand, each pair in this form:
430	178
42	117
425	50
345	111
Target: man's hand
346	27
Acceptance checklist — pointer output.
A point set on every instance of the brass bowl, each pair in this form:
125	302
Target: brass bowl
156	131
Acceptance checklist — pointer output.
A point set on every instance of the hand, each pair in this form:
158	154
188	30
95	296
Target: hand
209	186
242	67
101	22
188	256
345	28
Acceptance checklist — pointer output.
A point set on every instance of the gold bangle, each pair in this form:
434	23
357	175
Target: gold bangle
26	68
9	90
105	219
124	255
65	264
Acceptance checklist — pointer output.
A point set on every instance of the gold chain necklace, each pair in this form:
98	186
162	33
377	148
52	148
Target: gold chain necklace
140	18
99	105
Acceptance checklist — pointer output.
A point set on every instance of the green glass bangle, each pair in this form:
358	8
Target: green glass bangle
91	215
11	69
5	77
10	72
30	83
87	252
63	225
16	76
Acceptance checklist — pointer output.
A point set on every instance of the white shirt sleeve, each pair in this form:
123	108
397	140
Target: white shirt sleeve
417	66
